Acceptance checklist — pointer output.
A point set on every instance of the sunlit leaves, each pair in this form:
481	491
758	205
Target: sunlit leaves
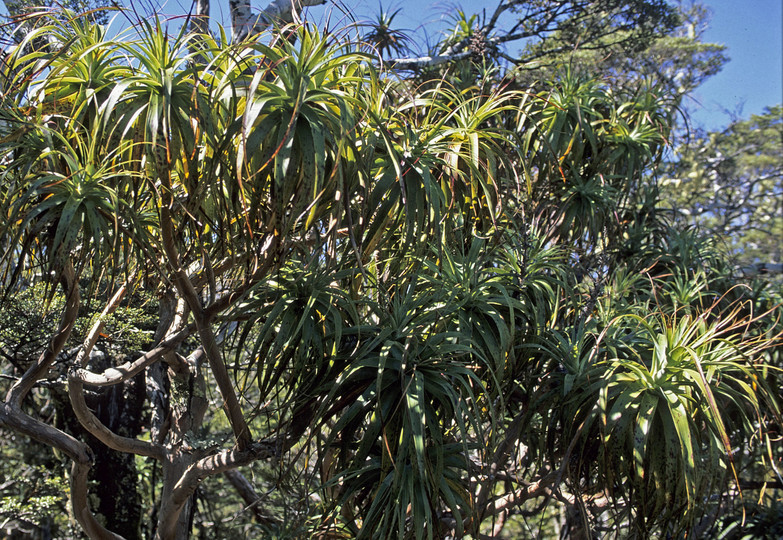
428	295
589	151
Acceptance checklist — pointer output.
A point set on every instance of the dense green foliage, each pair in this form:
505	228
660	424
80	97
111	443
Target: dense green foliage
416	307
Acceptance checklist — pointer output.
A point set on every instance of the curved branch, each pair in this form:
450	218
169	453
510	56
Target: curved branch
81	509
13	417
128	370
91	423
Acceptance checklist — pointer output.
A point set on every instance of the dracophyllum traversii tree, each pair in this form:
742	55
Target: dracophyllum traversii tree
424	308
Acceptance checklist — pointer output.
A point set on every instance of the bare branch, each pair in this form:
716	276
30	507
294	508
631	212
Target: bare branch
16	419
422	62
451	55
128	370
245	23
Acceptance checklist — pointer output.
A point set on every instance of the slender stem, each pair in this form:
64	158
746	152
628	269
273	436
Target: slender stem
95	331
40	368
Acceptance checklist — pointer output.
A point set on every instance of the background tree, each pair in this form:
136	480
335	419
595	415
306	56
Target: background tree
663	46
730	184
22	14
627	42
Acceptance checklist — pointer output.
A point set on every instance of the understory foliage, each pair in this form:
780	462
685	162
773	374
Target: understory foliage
402	307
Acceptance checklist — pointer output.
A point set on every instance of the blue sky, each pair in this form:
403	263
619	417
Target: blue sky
753	79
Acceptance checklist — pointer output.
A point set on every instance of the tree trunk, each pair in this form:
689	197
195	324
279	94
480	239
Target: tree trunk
114	474
199	23
188	405
173	469
242	21
185	406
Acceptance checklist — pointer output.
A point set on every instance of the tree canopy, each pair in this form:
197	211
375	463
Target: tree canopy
355	300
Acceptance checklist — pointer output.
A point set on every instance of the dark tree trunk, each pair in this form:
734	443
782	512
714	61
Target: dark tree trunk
115	474
120	408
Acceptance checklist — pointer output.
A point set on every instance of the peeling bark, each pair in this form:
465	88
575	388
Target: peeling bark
245	23
199	22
